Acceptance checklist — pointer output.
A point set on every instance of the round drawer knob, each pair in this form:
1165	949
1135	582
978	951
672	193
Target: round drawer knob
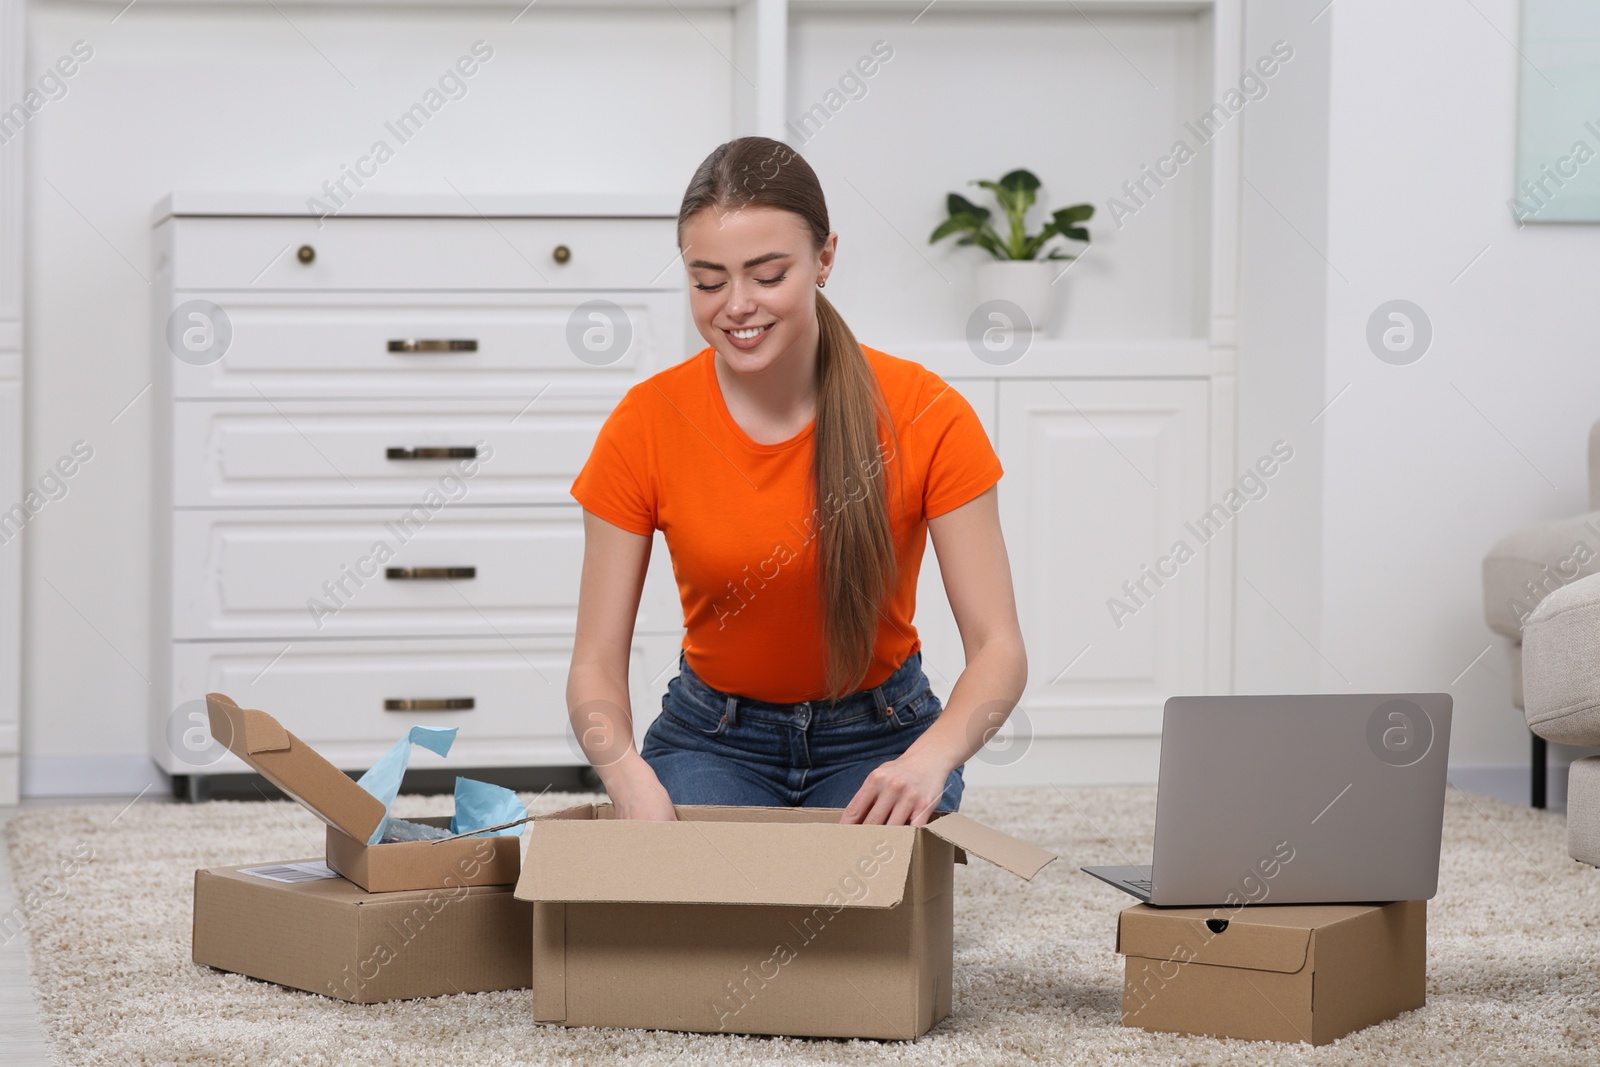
562	253
306	254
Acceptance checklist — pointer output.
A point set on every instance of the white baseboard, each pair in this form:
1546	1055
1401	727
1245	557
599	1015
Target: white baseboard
1512	782
1069	762
89	776
1051	761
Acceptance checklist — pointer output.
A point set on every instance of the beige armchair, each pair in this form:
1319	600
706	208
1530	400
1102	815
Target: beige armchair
1561	672
1521	571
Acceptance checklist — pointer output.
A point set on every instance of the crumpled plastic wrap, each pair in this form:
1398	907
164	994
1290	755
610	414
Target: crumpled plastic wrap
397	829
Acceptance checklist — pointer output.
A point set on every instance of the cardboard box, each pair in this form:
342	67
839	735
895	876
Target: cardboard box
352	813
328	936
1272	972
749	920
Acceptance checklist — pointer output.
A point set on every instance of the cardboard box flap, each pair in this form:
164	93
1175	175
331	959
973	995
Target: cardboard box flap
1002	850
294	767
684	862
1222	937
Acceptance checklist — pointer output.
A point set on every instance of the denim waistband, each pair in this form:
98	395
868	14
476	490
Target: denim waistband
906	681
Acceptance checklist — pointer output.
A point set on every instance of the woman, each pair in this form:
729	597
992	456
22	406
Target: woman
796	476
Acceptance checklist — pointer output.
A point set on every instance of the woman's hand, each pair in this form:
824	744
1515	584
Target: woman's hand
636	792
903	791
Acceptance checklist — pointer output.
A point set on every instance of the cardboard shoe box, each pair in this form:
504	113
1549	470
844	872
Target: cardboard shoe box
1275	972
352	814
749	920
326	935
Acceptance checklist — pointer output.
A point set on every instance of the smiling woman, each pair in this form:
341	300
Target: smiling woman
828	463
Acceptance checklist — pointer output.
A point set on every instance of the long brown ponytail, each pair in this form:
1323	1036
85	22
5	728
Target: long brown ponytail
856	563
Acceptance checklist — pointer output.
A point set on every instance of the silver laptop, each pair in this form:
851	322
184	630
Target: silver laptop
1296	800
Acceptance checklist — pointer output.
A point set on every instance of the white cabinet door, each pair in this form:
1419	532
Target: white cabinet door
376	572
352	699
366	345
398	252
1106	483
298	453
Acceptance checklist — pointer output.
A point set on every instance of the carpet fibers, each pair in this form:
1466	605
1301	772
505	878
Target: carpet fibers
1512	955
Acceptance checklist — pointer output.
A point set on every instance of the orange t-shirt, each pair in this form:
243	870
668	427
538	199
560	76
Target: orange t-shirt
740	527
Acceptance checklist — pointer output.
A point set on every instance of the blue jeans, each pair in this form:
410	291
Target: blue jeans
711	747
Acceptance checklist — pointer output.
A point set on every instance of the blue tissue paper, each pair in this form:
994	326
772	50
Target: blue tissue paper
477	803
383	779
483	804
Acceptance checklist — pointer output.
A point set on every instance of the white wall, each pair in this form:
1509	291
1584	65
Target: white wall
236	97
1282	318
1424	470
1415	483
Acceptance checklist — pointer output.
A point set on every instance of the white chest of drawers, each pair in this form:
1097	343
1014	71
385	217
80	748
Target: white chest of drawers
362	513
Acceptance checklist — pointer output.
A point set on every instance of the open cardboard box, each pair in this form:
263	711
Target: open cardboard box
749	920
352	813
1275	972
326	935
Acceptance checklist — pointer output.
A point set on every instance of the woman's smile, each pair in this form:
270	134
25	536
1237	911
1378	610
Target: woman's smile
747	337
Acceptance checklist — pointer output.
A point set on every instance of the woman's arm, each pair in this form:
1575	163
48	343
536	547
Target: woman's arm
977	579
614	562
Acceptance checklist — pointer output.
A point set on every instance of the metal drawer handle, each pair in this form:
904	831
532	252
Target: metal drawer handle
433	344
416	574
429	704
451	452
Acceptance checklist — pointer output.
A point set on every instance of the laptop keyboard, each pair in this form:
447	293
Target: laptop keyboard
1137	883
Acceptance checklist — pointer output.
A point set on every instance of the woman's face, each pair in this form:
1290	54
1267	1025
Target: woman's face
751	269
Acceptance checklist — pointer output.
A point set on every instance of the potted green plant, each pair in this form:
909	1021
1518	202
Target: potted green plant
1017	272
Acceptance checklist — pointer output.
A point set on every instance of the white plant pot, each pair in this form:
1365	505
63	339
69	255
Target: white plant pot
1025	283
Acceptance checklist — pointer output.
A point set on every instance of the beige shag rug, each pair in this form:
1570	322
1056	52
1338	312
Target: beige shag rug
1512	955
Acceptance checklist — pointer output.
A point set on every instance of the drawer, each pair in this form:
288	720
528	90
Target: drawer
496	345
240	453
308	573
351	253
333	694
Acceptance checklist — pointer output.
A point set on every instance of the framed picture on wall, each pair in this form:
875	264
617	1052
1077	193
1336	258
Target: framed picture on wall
1558	113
